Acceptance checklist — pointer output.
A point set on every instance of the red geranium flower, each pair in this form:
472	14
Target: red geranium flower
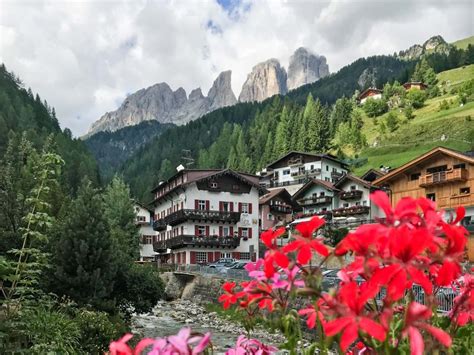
349	305
230	297
273	255
304	243
414	321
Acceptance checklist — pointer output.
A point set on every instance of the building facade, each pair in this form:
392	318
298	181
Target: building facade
443	175
294	169
276	208
370	93
317	197
148	236
204	215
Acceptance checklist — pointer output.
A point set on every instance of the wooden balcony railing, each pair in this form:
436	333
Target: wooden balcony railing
181	216
350	211
443	177
281	209
336	175
302	173
182	241
350	195
321	200
456	200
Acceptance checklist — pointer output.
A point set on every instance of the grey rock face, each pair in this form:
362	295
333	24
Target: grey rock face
435	44
305	67
159	102
265	80
367	78
221	94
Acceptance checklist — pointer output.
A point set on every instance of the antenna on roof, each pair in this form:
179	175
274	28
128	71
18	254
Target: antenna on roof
188	159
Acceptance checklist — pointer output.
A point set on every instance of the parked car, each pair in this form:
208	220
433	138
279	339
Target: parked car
221	263
238	265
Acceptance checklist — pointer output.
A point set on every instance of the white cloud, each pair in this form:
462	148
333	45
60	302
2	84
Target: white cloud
85	57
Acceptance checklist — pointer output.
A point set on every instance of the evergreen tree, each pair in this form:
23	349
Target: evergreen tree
317	135
85	266
282	136
120	215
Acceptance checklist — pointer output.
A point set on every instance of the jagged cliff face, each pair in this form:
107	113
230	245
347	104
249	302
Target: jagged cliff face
160	103
266	79
435	44
305	68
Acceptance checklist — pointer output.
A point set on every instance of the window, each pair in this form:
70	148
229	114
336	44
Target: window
357	203
235	187
201	230
364	203
324	209
148	239
437	169
334	170
345	205
353	187
327	167
286	172
270	217
201	257
327	179
312	166
213	185
201	205
415	176
226	255
244	256
225	206
245	208
459	166
431	197
465	190
225	231
245	233
321	194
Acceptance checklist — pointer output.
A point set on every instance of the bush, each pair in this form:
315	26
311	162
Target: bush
408	112
416	98
392	122
444	105
375	107
140	287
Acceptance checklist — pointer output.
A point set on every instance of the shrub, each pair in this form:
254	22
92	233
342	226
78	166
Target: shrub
375	107
392	122
416	98
443	105
408	112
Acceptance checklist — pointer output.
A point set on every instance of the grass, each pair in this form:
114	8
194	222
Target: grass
430	128
463	43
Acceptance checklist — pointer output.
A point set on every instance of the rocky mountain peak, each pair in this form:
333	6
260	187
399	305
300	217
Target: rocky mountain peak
305	67
221	94
196	94
266	79
435	44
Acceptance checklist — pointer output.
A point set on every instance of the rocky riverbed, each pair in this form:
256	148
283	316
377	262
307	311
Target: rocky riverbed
168	317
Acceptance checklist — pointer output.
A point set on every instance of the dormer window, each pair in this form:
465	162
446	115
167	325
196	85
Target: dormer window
213	185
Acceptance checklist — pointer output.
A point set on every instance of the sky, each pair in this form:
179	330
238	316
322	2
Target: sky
85	56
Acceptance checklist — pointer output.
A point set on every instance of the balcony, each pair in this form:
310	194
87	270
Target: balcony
325	214
303	173
281	209
160	247
321	200
456	200
351	195
181	216
183	241
295	161
350	211
336	175
443	177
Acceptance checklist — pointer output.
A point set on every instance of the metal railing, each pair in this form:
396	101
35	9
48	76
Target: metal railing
184	240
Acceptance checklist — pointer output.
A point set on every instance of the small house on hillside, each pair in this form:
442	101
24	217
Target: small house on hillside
370	93
415	85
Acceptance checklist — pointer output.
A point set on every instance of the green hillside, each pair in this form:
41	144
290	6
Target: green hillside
463	43
431	126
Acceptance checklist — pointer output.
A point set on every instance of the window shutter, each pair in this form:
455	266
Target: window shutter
240	231
196	204
250	208
236	255
193	257
231	230
207	205
231	206
221	208
182	205
250	232
207	230
210	257
217	255
240	206
196	230
220	231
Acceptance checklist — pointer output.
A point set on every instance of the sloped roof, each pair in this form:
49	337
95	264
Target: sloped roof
354	179
378	173
281	192
142	205
366	91
313	155
326	184
427	155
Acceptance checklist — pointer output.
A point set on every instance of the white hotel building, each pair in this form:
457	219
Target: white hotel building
203	215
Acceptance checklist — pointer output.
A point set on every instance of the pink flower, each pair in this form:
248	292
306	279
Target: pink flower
246	346
183	343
